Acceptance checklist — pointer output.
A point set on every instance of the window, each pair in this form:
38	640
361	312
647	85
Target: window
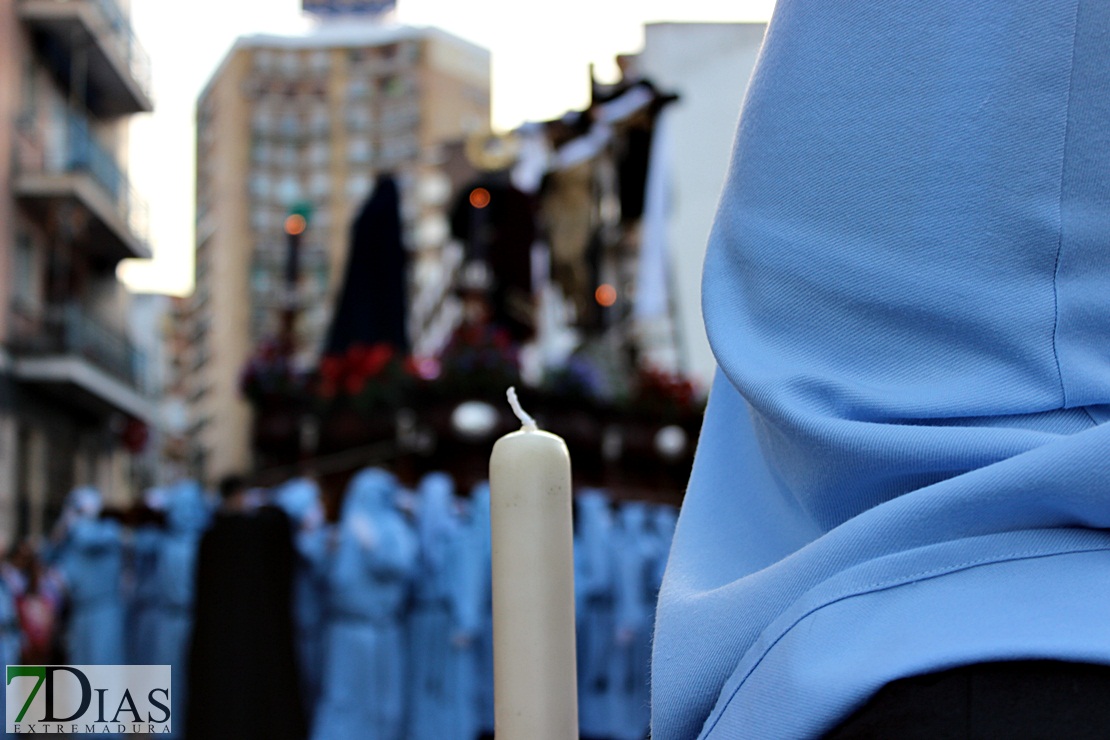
321	120
320	185
399	117
319	281
264	60
288	190
358	87
26	272
358	186
318	155
359	118
320	61
264	219
261	152
410	52
290	124
263	120
290	63
260	279
287	156
398	149
397	86
30	85
260	185
359	150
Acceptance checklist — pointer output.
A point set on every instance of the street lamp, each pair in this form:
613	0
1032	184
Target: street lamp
295	224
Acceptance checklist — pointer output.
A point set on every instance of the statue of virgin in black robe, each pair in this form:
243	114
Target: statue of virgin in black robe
243	680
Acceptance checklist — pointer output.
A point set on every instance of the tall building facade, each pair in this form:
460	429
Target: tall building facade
307	124
73	401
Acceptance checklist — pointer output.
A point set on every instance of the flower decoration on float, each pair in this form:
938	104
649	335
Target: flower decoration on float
666	395
367	377
480	361
269	374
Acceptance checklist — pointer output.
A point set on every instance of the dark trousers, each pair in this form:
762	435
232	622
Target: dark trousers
1018	700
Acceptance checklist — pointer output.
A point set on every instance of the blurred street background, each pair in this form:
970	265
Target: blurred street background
289	258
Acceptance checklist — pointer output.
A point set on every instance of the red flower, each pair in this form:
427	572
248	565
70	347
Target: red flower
501	339
331	368
268	351
356	356
354	384
376	359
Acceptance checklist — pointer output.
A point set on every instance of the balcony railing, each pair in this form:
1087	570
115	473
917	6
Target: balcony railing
71	23
127	44
75	150
67	330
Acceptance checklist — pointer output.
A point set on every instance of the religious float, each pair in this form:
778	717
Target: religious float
553	290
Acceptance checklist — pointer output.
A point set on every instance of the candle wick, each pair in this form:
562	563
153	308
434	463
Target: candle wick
526	420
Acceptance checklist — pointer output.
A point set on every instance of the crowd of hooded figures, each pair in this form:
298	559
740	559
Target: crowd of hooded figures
389	608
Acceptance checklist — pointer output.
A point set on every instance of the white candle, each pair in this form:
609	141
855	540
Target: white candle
534	674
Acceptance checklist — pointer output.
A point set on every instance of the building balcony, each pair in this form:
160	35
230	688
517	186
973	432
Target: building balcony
91	47
197	334
76	186
78	360
199	360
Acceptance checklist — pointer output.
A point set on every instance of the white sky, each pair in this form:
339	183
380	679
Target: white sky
540	55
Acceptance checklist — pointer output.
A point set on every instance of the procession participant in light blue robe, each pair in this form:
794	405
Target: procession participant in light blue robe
11	635
90	558
187	515
661	526
903	466
300	500
593	587
663	519
634	548
368	572
142	614
480	551
439	705
469	581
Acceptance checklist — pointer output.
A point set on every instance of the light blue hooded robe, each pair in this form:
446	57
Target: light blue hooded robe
480	550
90	558
663	518
904	465
633	601
300	500
593	598
471	613
142	611
11	635
368	573
187	515
441	691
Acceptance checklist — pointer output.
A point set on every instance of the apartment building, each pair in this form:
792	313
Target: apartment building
73	402
306	124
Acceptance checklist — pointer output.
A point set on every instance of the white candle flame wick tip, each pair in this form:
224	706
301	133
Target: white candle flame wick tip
525	418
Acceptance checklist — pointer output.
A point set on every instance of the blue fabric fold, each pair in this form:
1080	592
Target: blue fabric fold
906	293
